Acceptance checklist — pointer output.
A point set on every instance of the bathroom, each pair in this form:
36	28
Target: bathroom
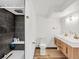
54	25
39	29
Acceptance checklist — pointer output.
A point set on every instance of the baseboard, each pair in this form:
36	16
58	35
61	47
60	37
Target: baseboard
47	47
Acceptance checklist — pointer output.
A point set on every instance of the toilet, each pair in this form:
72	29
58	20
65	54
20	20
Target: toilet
42	49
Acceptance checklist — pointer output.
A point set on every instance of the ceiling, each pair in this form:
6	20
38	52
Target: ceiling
45	8
16	11
12	3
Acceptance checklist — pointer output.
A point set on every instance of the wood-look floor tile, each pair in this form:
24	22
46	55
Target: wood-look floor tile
50	54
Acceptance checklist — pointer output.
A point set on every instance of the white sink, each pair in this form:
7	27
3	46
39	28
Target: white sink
68	39
72	40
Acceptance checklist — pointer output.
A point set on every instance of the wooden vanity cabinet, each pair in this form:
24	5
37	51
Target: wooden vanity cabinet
73	53
61	46
68	51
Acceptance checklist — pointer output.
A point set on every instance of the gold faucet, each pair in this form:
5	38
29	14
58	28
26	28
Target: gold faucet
65	34
75	36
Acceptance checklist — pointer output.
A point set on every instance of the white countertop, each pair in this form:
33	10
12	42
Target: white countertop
68	40
18	42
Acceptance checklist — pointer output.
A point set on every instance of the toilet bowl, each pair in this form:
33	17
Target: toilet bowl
42	49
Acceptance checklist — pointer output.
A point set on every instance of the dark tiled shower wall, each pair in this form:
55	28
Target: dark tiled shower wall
6	21
19	27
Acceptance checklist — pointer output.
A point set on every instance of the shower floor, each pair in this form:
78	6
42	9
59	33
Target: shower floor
16	54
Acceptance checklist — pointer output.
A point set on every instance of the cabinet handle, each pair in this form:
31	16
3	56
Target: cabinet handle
66	50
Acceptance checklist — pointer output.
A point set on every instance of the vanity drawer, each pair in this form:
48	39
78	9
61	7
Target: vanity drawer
57	42
64	49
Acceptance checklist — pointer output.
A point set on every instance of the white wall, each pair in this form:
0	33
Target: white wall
45	29
30	30
71	26
42	27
